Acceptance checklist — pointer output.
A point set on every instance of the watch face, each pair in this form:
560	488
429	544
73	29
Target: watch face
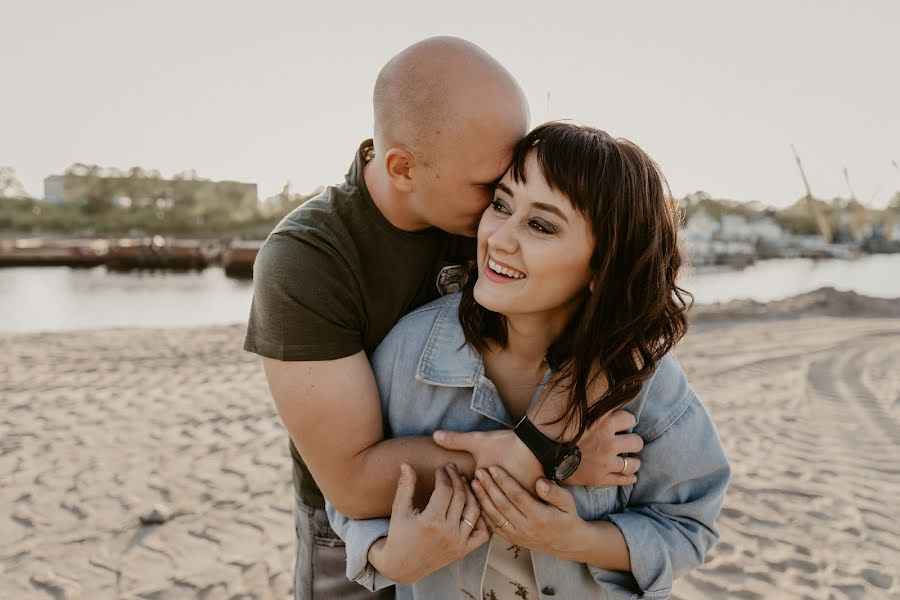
568	465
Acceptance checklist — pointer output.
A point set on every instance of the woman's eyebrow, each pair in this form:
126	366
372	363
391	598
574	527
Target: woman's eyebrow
550	208
505	189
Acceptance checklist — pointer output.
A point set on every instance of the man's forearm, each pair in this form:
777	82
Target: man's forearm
370	491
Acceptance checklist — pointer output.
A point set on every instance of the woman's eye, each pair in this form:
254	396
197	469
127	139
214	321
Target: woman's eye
539	226
499	206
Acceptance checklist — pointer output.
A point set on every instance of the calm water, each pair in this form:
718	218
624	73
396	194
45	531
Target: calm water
42	299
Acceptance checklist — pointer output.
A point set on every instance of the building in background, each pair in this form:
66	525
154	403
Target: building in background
97	189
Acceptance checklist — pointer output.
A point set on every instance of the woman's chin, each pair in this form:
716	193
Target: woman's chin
492	300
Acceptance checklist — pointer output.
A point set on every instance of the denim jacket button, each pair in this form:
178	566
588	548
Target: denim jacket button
548	591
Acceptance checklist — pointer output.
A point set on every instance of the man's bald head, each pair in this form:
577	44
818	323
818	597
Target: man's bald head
429	91
447	118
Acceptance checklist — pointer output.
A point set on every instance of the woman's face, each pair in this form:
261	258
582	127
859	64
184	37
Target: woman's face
534	248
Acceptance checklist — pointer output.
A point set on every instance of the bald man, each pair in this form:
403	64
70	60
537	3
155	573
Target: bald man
338	272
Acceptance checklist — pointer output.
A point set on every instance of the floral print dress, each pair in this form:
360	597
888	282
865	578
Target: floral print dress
509	574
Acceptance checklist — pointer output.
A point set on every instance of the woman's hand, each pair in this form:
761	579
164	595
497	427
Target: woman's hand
522	519
420	543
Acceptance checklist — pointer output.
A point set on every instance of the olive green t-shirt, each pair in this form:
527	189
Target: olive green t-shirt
334	277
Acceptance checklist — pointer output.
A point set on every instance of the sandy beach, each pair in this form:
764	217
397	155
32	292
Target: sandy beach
101	428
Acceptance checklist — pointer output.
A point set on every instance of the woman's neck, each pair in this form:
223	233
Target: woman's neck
529	336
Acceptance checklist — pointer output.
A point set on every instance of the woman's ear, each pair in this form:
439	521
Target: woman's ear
399	164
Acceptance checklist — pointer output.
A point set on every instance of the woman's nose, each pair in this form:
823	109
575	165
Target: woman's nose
504	238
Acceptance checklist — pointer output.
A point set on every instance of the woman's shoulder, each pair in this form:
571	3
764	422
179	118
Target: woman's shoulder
424	317
662	400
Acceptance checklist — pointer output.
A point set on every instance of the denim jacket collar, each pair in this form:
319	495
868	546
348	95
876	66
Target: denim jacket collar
448	361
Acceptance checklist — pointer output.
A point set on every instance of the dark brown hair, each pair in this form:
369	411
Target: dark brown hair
636	312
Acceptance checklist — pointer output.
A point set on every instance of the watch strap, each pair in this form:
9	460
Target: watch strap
544	448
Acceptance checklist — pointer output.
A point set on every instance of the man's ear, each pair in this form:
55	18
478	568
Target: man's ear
399	164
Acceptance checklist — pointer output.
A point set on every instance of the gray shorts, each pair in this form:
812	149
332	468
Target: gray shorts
320	568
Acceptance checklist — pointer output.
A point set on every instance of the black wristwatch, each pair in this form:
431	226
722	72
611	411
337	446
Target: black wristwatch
560	460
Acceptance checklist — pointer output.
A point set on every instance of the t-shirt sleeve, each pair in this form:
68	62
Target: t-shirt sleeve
306	304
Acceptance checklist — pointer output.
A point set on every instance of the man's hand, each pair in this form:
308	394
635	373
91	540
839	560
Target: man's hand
420	543
502	448
601	448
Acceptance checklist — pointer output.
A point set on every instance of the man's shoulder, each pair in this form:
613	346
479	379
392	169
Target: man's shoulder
412	332
312	232
324	213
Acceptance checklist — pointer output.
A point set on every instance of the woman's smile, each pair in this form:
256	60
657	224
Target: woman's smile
500	272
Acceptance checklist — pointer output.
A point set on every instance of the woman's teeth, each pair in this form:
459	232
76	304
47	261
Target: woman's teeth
504	271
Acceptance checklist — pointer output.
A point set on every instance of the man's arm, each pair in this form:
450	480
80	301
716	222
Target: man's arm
332	412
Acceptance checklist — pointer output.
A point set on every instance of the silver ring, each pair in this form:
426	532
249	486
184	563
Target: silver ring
468	522
504	525
624	466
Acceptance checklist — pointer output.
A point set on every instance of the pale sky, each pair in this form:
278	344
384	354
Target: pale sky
269	91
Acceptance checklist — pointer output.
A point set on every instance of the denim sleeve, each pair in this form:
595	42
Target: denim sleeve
669	522
358	536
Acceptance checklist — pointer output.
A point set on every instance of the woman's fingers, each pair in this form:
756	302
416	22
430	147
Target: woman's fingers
471	512
515	493
406	489
440	498
479	536
500	500
458	499
488	510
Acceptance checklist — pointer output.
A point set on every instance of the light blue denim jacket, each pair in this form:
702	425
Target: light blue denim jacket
429	379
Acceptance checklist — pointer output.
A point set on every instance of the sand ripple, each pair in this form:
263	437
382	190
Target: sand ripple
99	427
809	412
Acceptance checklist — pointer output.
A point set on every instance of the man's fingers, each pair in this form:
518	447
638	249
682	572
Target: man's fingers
628	443
406	489
631	464
620	420
458	500
456	440
622	479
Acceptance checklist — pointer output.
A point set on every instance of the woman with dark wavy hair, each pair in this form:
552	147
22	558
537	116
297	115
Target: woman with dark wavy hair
570	312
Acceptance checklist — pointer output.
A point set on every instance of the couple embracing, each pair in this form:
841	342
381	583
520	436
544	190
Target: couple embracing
497	417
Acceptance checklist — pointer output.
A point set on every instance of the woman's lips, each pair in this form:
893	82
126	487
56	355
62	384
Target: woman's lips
493	276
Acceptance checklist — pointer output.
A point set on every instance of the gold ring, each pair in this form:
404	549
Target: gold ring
624	466
504	525
468	522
